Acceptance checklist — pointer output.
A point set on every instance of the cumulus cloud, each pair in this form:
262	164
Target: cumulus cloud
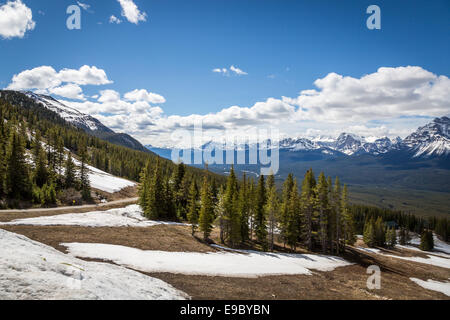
114	19
86	75
144	95
131	12
109	96
388	102
387	93
15	20
232	69
65	83
70	91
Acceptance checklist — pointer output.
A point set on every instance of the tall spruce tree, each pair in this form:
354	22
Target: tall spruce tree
70	173
85	184
337	210
348	221
244	209
285	199
206	215
293	217
308	209
17	172
272	208
260	214
322	206
193	207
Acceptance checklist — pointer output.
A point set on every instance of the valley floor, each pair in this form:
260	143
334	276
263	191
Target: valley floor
317	278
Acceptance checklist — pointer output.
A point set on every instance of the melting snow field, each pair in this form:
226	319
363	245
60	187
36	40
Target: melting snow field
130	216
31	270
443	287
435	259
228	264
105	181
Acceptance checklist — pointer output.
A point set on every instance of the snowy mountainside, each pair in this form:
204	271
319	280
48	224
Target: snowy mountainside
432	139
80	120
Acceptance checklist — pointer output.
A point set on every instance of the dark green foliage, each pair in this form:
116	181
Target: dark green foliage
193	207
260	214
426	241
206	215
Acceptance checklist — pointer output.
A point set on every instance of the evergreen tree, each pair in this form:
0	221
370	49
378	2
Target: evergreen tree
230	223
285	200
84	175
308	209
18	184
144	187
380	232
293	217
206	214
260	216
426	241
192	213
337	202
391	237
169	210
369	233
244	209
70	175
155	202
322	205
348	221
272	208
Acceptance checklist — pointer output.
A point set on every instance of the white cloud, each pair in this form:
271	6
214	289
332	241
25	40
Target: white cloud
65	83
86	75
388	102
387	93
232	69
109	96
46	77
144	95
15	19
43	77
220	70
114	19
238	71
132	12
71	91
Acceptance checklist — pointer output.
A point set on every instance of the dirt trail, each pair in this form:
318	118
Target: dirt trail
9	215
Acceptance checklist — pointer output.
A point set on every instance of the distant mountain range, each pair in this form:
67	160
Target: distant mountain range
432	140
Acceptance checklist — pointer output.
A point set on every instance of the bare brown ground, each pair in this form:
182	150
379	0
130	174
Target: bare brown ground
342	283
128	192
160	237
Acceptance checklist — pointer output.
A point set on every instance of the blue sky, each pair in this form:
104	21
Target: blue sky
282	46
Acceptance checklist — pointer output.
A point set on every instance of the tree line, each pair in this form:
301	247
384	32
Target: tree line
315	214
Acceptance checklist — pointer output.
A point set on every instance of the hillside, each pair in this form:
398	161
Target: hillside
35	145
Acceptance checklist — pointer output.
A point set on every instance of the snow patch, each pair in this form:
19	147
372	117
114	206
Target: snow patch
250	264
443	287
130	216
31	270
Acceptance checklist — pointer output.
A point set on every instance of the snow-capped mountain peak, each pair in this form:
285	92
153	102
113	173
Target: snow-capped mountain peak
432	139
69	114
